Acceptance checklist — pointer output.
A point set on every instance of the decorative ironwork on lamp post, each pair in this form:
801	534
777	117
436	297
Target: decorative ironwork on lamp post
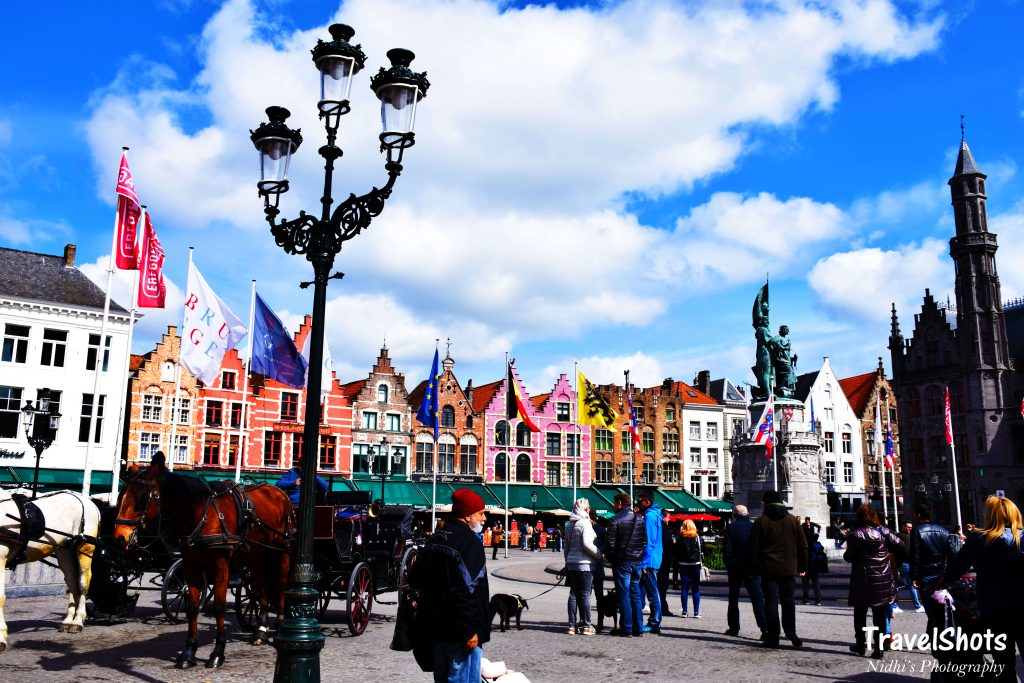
40	435
387	462
399	90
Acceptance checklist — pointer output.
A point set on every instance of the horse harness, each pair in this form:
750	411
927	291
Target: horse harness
31	527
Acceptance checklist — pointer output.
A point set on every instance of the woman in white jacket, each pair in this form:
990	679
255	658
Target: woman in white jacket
579	552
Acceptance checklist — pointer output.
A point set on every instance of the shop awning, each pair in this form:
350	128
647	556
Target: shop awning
54	479
444	493
719	507
395	492
563	494
684	501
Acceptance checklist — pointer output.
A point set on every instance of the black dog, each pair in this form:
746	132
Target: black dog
505	606
608	606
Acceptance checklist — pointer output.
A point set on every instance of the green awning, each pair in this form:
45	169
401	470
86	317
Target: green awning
563	495
519	496
684	501
395	492
718	506
444	493
54	479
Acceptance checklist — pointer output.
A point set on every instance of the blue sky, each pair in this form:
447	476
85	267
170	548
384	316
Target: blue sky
596	182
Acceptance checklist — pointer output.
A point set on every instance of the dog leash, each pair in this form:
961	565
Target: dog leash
561	578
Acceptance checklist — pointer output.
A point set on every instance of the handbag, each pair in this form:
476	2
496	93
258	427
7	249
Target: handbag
705	573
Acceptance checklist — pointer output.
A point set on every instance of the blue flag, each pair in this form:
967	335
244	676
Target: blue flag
273	351
427	414
811	401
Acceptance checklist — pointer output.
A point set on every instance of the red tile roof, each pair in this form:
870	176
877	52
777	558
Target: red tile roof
352	389
416	397
690	394
483	394
136	362
538	401
858	391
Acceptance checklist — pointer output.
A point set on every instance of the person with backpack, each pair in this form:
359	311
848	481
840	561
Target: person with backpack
872	578
817	565
624	548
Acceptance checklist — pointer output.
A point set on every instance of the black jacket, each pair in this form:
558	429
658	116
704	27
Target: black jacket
872	577
688	551
734	547
931	547
626	539
999	566
777	546
450	574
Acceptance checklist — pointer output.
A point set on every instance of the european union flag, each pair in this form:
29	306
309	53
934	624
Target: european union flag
273	351
427	414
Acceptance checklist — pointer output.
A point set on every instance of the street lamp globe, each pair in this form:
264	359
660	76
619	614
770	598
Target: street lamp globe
276	143
399	89
338	61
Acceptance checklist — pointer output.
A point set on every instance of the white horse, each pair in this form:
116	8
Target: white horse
67	517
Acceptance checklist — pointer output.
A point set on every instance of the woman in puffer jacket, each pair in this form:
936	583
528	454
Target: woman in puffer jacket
872	580
690	557
579	552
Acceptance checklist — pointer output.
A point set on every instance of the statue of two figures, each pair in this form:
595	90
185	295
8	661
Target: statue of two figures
775	364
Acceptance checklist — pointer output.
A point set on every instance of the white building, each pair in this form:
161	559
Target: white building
704	448
50	317
735	421
840	429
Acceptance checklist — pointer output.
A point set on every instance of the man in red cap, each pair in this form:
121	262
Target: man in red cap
450	575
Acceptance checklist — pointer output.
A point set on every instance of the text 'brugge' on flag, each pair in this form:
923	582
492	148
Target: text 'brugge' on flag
428	410
592	407
273	352
209	329
514	406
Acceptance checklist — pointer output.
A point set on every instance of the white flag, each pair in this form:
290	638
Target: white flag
878	432
208	329
328	367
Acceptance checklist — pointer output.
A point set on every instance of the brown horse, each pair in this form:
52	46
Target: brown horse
216	521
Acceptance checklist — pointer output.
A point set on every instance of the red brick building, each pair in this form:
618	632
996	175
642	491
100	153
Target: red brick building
380	410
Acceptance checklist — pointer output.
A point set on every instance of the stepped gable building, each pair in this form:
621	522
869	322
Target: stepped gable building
458	441
526	447
864	392
735	418
967	351
381	410
50	319
565	443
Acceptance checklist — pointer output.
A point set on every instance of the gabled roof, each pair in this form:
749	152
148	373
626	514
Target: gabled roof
416	397
538	401
804	383
136	362
352	389
858	390
41	277
483	394
687	393
724	390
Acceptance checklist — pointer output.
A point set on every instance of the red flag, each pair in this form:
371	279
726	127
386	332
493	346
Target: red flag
127	220
152	291
949	421
1022	407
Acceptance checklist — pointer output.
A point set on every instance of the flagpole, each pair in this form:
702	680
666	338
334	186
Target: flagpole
177	387
878	452
433	493
508	447
952	452
895	501
575	446
115	474
632	443
243	426
775	461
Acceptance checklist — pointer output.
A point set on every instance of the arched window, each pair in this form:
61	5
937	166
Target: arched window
469	422
500	467
522	435
447	416
523	467
382	393
501	433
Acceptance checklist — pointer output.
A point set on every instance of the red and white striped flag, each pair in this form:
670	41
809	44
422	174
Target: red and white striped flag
949	420
765	431
152	292
126	223
633	430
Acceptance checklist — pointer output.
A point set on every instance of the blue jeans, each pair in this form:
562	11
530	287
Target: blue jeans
452	664
905	573
627	583
649	585
691	584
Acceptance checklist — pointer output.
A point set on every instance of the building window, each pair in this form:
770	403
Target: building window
398	456
152	408
670	414
830	442
553	474
648	472
183	412
227	380
956	398
712	457
211	450
296	447
424	456
647	442
695	431
360	458
670	472
236	415
737	427
446	458
469	421
695	456
670	443
500	467
639	410
695	485
712	431
41	427
447	416
627	441
602	440
713	487
554	443
327	452
180	450
15	348
232	450
369	420
394	422
54	347
467	458
603	471
94	350
214	413
847	443
913	403
571	470
572	445
382	393
830	472
501	433
523	435
167	370
10	411
86	420
934	401
828	416
272	449
523	467
847	472
149	444
562	411
289	407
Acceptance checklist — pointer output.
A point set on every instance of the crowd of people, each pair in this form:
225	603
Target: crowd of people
764	557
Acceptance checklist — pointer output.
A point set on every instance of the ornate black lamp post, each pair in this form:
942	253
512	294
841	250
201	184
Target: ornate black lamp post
386	463
936	497
399	89
41	435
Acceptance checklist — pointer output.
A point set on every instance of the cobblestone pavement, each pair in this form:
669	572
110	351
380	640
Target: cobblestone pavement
688	649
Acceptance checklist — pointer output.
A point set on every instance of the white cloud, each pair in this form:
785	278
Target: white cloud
14	231
5	131
1009	228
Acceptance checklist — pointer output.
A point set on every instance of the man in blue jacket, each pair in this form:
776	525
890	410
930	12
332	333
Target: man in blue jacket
292	479
652	559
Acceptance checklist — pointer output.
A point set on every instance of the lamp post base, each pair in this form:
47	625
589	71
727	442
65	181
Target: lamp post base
299	639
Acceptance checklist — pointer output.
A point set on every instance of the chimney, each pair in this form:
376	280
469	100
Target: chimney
704	381
69	256
469	393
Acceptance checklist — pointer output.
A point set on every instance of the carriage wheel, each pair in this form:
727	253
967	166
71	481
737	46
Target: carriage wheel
247	607
174	593
360	598
403	571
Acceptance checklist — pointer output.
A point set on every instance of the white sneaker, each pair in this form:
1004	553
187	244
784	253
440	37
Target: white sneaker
920	609
896	610
647	609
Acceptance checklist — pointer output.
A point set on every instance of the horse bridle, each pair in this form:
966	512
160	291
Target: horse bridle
153	494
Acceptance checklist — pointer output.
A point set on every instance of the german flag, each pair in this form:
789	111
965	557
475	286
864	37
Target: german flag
514	402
